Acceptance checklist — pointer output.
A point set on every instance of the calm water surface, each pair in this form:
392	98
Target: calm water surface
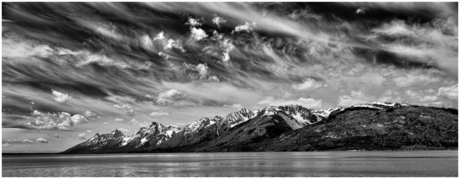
273	164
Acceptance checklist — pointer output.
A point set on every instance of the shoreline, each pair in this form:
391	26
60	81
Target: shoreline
30	154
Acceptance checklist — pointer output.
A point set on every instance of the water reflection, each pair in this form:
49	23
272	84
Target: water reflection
292	164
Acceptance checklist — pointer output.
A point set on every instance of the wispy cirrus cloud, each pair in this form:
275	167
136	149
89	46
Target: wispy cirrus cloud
170	96
159	113
237	106
183	59
355	97
42	140
450	92
305	102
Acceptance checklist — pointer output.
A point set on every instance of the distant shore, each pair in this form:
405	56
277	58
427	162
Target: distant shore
29	154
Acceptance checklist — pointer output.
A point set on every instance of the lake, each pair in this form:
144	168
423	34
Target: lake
252	164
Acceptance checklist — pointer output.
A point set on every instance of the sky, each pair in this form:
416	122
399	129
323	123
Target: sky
71	70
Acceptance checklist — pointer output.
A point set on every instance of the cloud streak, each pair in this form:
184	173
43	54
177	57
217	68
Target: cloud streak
305	102
175	62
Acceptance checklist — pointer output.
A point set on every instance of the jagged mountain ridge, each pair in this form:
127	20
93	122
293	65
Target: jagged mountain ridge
204	129
241	128
356	128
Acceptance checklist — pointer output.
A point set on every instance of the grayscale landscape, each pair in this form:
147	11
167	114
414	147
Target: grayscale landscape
230	89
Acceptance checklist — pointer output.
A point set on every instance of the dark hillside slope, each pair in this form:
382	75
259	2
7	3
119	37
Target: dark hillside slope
100	142
260	128
376	126
411	127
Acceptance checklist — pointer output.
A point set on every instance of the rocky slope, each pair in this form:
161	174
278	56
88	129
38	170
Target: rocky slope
375	126
400	128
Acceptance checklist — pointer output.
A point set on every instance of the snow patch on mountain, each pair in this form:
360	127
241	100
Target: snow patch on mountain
326	112
157	134
299	118
143	140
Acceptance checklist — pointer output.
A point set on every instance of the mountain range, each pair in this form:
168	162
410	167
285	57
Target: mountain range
373	126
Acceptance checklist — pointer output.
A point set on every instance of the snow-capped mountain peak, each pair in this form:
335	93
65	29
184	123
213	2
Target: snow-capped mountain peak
158	135
302	115
170	130
198	125
324	113
237	117
116	133
388	104
380	105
